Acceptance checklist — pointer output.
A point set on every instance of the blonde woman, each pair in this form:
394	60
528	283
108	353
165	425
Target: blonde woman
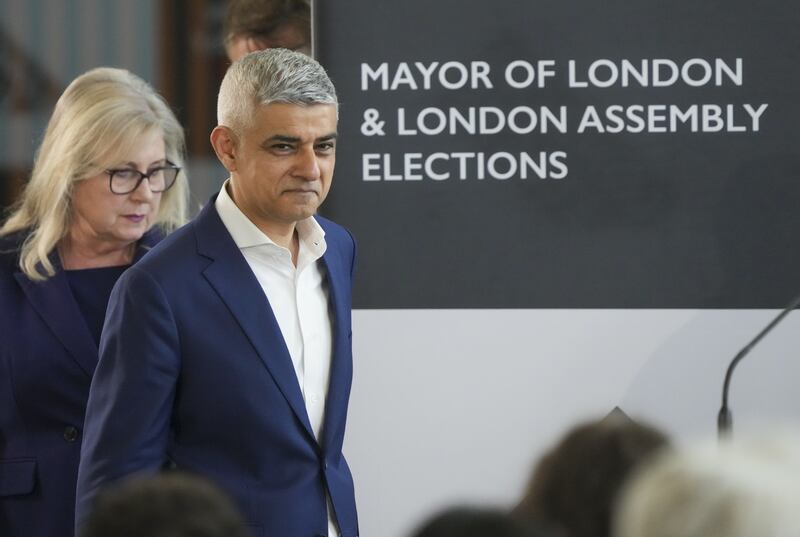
106	185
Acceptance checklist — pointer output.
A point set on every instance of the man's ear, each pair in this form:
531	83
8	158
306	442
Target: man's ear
223	140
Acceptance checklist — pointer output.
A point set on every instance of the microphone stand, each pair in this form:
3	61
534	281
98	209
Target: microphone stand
725	418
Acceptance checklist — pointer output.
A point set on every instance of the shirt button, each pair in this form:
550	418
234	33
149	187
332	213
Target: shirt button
70	433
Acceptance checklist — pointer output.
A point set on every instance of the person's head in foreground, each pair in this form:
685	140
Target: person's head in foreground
165	505
574	486
475	522
737	488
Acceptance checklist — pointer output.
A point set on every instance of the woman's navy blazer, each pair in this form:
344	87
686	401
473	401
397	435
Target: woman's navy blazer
47	358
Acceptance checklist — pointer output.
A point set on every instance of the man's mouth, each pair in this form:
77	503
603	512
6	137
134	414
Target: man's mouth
302	191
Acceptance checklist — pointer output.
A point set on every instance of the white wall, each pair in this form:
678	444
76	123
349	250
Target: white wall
455	406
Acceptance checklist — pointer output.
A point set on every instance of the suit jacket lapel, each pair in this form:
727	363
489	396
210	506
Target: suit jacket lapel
53	301
341	360
234	281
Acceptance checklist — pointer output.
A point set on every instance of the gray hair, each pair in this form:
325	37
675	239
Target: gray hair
97	121
273	75
742	488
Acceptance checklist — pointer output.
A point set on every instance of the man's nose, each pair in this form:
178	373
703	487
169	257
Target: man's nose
307	164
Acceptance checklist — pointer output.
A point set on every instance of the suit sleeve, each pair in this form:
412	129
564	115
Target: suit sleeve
130	401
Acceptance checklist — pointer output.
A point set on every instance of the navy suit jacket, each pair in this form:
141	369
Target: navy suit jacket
47	357
194	374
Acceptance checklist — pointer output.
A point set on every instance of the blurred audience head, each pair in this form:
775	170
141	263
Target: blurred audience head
574	487
475	522
738	488
99	121
166	505
271	76
252	25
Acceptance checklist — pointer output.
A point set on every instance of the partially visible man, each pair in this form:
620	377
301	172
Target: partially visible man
227	350
252	25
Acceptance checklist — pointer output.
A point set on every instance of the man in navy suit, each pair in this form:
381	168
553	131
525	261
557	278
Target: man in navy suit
227	349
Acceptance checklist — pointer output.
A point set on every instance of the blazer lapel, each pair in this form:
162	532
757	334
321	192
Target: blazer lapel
341	360
53	301
234	281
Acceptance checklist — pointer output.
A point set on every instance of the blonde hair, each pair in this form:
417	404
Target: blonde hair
742	488
97	121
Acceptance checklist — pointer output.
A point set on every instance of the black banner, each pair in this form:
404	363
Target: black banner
567	154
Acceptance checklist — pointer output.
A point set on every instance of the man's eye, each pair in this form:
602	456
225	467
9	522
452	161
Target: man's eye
325	147
282	147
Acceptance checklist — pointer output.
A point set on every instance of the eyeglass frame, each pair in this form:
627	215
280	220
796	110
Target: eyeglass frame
142	177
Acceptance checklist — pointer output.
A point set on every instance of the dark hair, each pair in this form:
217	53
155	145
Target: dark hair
475	522
574	487
166	505
260	18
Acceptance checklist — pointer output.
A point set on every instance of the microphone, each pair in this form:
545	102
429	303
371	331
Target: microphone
724	418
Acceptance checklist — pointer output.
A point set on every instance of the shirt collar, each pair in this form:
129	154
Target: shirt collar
246	234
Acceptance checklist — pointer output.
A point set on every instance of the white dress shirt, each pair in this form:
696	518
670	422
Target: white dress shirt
299	299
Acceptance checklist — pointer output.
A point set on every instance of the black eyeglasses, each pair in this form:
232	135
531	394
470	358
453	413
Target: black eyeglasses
126	180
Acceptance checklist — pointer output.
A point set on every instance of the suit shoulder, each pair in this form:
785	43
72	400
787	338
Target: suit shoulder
334	231
10	247
170	254
12	243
